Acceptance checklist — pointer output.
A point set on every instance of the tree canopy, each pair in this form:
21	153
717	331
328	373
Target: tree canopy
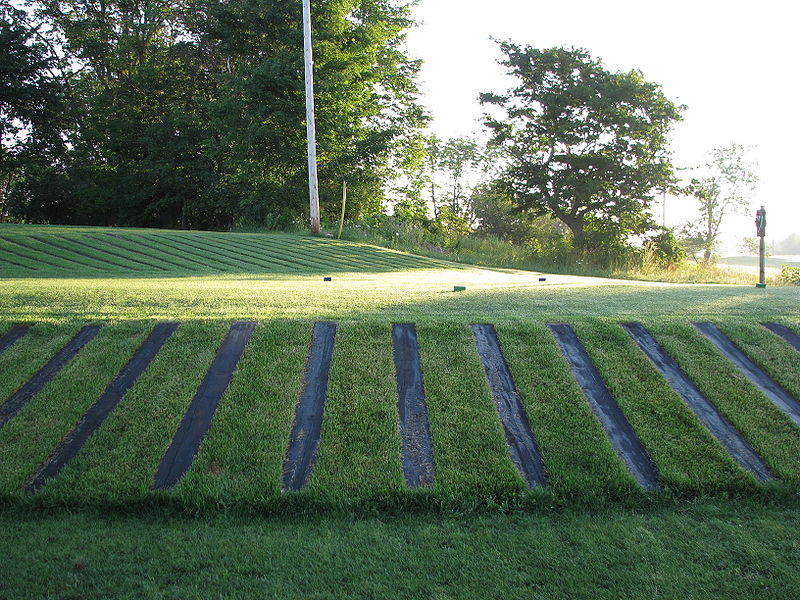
190	113
585	145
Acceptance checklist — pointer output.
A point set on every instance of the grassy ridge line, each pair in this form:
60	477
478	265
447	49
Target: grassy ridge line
689	459
768	430
181	245
124	244
287	250
117	464
30	437
234	250
138	240
17	260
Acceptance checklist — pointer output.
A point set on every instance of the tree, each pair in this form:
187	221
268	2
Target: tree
32	97
585	145
726	190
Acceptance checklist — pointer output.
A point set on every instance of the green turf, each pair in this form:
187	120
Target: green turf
590	533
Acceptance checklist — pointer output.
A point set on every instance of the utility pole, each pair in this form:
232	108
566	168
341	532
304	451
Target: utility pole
761	227
311	133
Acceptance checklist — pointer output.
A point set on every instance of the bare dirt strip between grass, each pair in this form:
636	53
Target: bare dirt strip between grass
10	337
787	334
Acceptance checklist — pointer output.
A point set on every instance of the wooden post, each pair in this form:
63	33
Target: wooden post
311	134
344	203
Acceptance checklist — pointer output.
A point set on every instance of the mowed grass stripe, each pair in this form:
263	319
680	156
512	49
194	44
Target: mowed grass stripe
765	427
689	459
789	336
179	254
121	243
205	252
580	459
241	459
190	253
38	248
352	259
117	464
28	265
236	248
58	251
27	440
101	249
35	257
359	453
290	256
78	249
472	459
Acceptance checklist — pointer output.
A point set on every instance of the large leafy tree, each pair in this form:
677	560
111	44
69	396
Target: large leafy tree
586	145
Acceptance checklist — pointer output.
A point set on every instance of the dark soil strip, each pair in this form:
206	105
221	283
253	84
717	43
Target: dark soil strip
521	443
620	433
34	385
134	251
787	334
415	433
197	420
102	408
708	414
307	427
11	336
780	397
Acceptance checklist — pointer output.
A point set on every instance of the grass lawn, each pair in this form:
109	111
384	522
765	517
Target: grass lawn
227	530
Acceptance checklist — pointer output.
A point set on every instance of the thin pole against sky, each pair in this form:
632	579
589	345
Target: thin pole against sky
311	134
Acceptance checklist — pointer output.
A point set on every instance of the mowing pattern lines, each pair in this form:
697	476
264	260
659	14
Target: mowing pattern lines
67	245
186	442
24	394
787	334
11	336
307	427
415	434
717	424
103	407
620	433
521	443
780	397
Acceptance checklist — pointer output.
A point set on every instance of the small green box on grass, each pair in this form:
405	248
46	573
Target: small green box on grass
459	288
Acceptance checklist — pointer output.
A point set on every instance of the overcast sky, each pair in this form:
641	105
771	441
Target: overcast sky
734	65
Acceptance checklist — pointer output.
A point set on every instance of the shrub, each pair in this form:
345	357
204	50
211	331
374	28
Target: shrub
789	275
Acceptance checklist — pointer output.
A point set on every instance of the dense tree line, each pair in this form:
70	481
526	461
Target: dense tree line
190	113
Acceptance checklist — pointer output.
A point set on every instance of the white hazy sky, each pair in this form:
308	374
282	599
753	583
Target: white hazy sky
734	64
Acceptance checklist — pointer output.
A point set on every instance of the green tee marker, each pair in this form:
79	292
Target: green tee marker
459	288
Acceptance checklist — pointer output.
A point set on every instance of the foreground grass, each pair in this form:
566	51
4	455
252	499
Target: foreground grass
723	549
